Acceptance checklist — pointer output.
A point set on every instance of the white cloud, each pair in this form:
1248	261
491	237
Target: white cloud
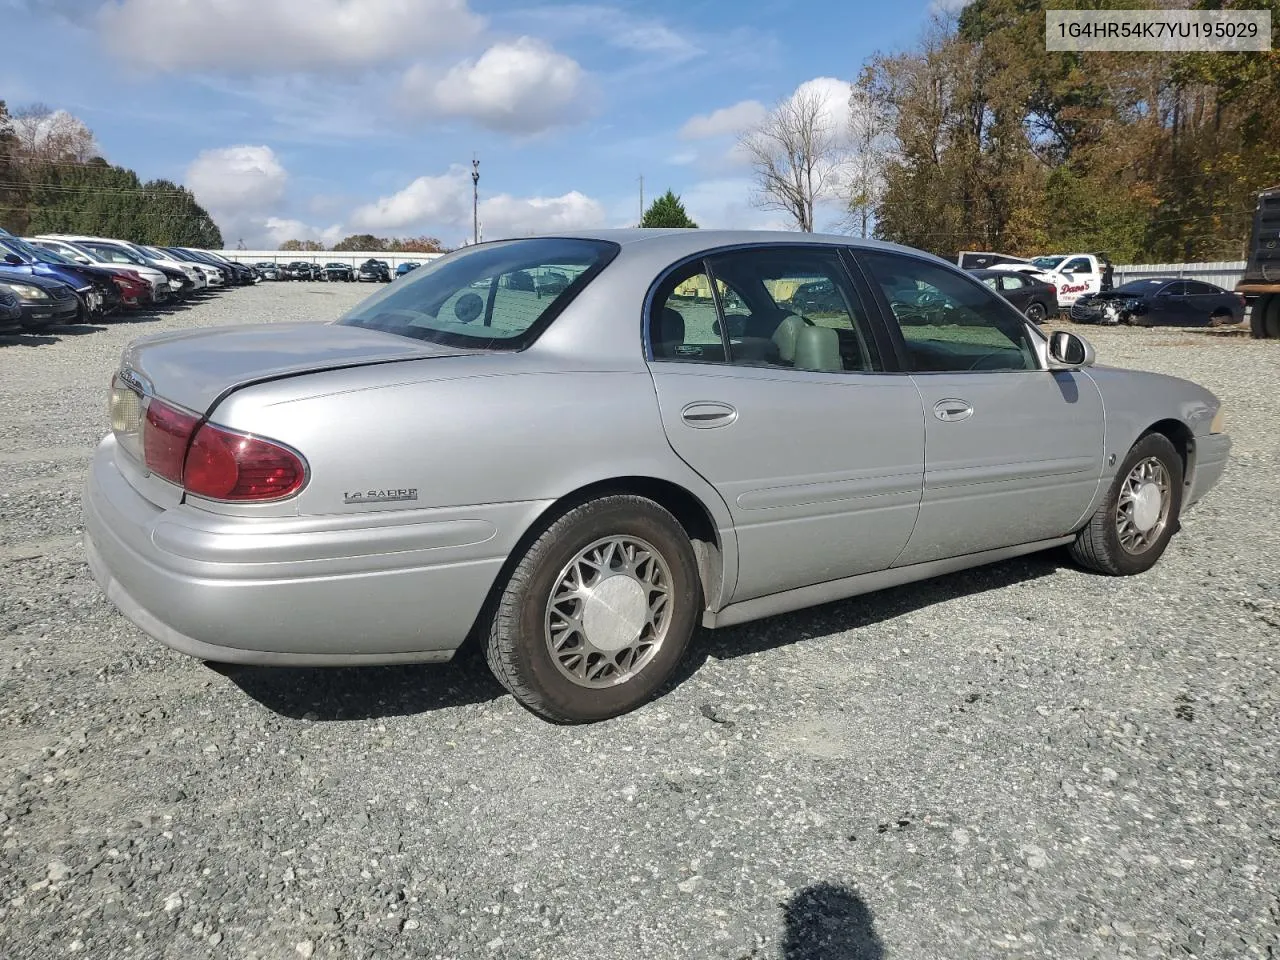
727	121
240	179
442	203
523	86
276	230
442	199
725	204
508	216
615	27
279	36
834	97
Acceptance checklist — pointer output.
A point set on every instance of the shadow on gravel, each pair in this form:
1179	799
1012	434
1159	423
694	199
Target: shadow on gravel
76	330
25	339
864	611
365	693
829	922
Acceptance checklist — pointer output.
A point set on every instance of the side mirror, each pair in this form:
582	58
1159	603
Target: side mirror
1070	351
13	258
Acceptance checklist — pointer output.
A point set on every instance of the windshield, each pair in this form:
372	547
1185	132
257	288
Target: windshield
27	252
117	254
1141	286
469	298
1047	263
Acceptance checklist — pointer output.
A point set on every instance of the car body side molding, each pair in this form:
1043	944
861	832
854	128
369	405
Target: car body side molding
810	596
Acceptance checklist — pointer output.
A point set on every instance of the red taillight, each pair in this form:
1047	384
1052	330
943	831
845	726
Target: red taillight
164	439
207	460
223	465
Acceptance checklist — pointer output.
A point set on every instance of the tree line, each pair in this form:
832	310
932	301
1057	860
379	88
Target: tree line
977	138
52	180
367	241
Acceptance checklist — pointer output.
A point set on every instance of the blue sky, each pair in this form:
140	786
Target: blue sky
316	118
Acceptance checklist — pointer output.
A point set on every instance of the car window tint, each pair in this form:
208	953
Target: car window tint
1013	282
948	322
683	324
992	282
478	297
1175	289
793	307
1201	289
1078	265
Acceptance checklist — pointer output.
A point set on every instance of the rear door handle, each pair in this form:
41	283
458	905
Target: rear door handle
951	410
704	414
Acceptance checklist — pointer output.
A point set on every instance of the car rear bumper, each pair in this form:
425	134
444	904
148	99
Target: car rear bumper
1212	453
379	587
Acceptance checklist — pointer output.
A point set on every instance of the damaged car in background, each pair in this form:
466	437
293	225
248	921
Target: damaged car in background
1161	302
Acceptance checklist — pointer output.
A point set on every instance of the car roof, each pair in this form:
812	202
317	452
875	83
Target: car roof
679	240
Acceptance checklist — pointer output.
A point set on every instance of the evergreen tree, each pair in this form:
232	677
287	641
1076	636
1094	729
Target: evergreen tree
667	211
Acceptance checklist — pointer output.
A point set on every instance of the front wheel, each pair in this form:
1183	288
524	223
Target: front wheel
1129	532
598	611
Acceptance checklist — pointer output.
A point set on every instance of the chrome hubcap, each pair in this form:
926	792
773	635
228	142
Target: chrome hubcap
608	613
1143	509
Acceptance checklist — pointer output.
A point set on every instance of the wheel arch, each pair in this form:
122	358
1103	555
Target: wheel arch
1183	440
717	560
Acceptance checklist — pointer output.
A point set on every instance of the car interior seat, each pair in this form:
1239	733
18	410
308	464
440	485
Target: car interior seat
818	348
667	332
785	337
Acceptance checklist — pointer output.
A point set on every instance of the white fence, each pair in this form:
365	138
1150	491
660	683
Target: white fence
1224	273
352	258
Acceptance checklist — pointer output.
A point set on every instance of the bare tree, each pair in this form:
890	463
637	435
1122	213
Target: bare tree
796	154
46	134
870	144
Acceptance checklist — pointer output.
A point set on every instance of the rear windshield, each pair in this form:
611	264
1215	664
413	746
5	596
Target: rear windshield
482	297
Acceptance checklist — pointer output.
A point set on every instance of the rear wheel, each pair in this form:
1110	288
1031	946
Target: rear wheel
1265	317
1128	533
1037	313
598	611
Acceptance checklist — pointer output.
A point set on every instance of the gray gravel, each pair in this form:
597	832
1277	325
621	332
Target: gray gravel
1024	760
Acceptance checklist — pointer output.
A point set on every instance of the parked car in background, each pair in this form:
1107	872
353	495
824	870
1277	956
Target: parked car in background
1161	302
1035	298
374	271
158	280
131	289
519	280
183	278
550	283
217	275
10	311
815	297
339	272
274	493
85	281
267	269
300	270
407	267
43	300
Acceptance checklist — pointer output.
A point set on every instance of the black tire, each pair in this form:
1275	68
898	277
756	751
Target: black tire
1098	547
516	648
1037	312
1264	320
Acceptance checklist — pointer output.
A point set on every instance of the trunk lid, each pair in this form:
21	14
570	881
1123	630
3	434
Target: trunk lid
193	368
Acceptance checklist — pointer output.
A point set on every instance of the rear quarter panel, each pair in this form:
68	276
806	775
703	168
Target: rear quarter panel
470	430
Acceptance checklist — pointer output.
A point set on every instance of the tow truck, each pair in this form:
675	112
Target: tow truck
1260	284
1074	274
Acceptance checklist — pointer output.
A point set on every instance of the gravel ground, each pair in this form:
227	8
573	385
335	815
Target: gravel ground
1023	760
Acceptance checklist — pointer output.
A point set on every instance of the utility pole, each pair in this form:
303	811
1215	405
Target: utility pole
475	199
640	223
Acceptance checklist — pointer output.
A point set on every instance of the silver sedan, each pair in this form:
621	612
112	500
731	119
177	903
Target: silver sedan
694	427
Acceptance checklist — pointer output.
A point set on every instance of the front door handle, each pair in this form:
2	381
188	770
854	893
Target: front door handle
951	410
708	413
